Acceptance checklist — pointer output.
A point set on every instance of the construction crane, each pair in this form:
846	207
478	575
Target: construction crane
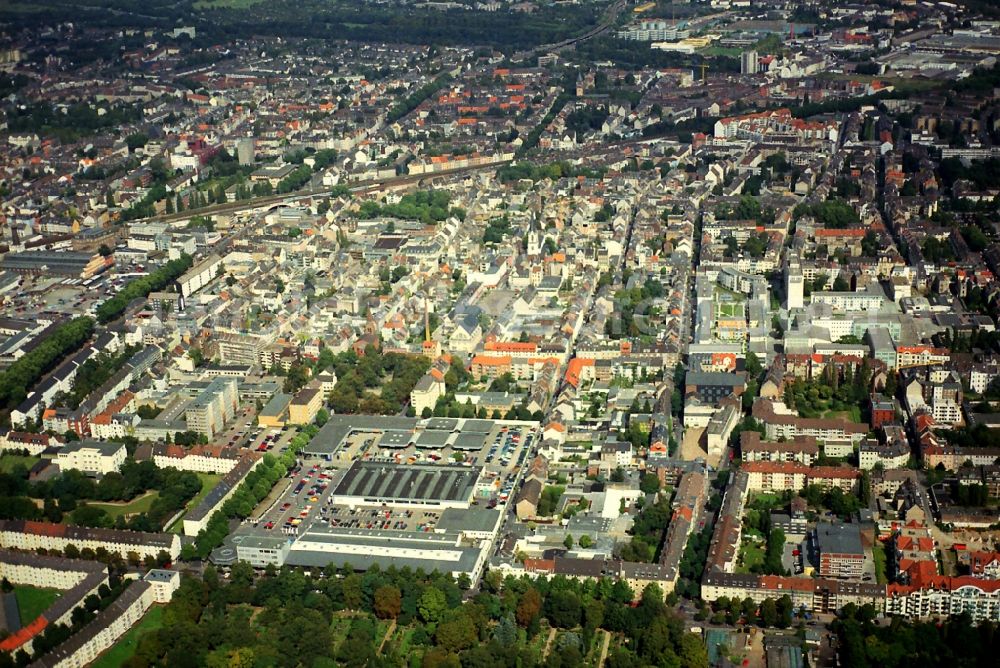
704	68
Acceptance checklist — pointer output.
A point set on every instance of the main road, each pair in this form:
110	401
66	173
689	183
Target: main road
610	17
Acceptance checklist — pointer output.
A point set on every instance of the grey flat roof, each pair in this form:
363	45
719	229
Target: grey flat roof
433	438
468	519
277	405
395	438
364	549
469	441
389	482
106	448
338	427
159	575
265	542
445	424
478	426
839	538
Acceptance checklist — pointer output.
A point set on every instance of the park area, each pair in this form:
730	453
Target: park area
140	504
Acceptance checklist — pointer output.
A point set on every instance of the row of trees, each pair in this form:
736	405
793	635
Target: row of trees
414	99
141	287
254	489
19	377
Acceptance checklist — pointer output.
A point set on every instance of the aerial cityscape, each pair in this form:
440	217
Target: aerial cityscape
499	333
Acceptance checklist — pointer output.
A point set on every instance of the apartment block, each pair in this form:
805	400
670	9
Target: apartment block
92	457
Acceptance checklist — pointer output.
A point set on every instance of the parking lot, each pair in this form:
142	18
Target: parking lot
306	497
384	519
307	493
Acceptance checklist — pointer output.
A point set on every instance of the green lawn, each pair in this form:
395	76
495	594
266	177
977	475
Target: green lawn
208	481
730	310
123	650
727	51
764	501
878	554
33	601
339	628
751	554
141	504
8	462
853	414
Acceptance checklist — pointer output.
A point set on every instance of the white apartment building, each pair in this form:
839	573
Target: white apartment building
890	456
164	583
200	459
850	301
110	624
214	407
200	275
92	457
29	535
946	596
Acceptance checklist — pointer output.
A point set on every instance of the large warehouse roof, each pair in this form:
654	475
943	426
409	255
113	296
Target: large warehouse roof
423	483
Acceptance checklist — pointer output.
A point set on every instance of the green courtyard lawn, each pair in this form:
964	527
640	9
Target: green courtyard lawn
878	554
730	310
751	555
208	481
765	501
33	601
123	650
8	462
140	504
853	414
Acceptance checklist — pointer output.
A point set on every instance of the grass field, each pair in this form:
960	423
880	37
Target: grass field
878	554
33	601
8	462
123	650
208	481
730	310
751	554
139	505
764	501
727	51
853	414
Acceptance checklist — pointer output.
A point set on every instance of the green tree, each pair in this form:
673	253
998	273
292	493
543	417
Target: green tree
650	483
432	605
